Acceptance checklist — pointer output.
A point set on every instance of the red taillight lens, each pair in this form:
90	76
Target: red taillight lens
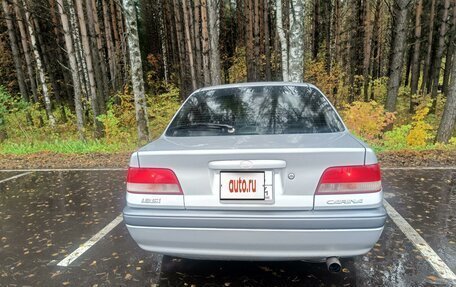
350	179
152	180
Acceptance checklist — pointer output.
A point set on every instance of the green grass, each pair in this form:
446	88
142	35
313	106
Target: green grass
64	146
380	149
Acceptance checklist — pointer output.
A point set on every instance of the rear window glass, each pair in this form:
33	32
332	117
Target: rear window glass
255	111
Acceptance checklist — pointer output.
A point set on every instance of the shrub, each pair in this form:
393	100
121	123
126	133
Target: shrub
161	109
452	141
397	138
367	120
379	89
123	107
420	133
238	71
112	130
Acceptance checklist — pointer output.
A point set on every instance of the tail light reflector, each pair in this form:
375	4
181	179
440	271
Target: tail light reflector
152	180
350	179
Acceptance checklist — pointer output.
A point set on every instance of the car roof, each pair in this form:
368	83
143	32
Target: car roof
255	84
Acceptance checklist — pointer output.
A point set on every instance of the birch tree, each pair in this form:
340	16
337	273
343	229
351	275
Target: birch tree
136	71
205	34
73	66
39	65
283	41
296	56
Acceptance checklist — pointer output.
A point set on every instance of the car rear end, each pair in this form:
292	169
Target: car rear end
275	176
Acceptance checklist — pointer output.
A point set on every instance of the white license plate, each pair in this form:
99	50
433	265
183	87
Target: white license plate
242	185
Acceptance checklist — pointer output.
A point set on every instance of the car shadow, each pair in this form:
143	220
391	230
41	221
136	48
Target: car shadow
187	272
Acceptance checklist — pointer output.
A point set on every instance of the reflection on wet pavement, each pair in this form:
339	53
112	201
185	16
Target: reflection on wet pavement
46	215
43	216
427	202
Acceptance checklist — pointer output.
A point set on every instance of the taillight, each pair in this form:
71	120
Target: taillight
350	179
152	180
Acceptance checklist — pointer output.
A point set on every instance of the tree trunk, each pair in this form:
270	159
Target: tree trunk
15	50
256	38
82	67
205	34
116	44
49	68
73	65
367	50
267	40
283	41
315	29
447	123
249	53
39	66
336	33
198	54
376	43
427	62
56	30
398	50
98	55
26	50
136	71
408	65
416	55
214	28
164	43
188	41
296	59
90	70
181	48
438	56
109	43
328	18
449	59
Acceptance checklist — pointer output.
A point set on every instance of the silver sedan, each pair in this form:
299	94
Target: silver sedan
256	171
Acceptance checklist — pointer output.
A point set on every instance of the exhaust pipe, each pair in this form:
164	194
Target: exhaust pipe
333	264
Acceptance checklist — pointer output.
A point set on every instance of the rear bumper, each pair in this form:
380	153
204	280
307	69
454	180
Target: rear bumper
255	235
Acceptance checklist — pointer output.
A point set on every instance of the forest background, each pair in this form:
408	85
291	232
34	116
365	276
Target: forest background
106	76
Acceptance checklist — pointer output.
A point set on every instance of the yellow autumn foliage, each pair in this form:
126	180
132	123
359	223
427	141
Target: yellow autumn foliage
367	119
328	83
420	133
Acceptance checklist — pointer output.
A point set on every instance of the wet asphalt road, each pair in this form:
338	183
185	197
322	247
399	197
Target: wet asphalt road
44	216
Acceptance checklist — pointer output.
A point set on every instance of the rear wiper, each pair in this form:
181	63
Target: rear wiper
229	128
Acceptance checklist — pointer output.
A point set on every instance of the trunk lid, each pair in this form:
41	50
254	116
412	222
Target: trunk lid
292	165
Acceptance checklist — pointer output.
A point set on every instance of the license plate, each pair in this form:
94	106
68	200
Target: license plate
242	185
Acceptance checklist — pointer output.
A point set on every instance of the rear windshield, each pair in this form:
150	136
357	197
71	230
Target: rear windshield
255	111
